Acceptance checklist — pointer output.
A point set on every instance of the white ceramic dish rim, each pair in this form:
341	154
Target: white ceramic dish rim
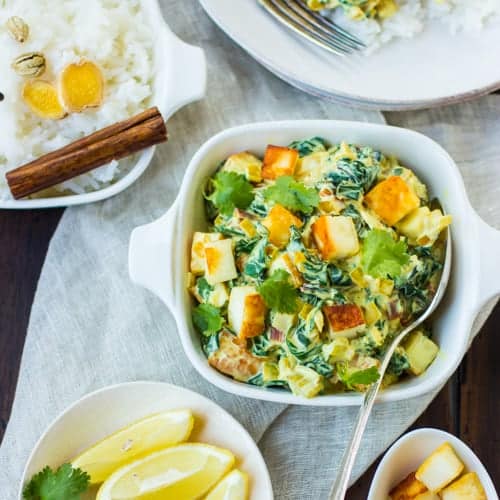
341	97
181	78
264	477
361	103
464	452
157	248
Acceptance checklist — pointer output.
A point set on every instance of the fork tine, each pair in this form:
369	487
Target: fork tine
330	24
328	29
299	15
286	16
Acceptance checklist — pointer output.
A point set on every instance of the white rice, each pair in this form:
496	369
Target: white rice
413	16
113	34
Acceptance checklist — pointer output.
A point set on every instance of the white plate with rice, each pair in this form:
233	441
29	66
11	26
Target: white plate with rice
143	64
430	53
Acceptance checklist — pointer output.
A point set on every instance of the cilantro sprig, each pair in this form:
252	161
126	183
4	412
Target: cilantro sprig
292	195
207	319
65	483
279	294
229	191
382	256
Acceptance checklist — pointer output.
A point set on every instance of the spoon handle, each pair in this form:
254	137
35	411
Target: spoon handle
339	487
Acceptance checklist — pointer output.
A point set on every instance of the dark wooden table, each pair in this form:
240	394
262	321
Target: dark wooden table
469	405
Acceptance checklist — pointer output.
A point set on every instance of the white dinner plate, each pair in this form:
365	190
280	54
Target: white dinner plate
103	412
433	68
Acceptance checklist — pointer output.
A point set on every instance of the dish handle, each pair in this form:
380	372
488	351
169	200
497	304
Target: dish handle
489	262
189	82
150	259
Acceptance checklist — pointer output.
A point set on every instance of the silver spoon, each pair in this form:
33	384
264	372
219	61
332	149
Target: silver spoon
339	487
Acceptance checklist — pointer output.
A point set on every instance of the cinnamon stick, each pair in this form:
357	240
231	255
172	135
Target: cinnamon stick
111	143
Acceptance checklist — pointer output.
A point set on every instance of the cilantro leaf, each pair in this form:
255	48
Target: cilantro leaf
204	288
279	294
207	319
382	256
65	483
230	191
360	377
292	195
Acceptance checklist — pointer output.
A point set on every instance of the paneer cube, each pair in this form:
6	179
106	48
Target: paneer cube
285	262
423	227
408	488
278	222
246	312
219	261
428	495
279	161
335	237
468	487
218	296
233	359
312	168
421	352
392	199
246	164
344	320
440	468
198	250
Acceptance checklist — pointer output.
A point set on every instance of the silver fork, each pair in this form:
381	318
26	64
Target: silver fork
339	488
312	26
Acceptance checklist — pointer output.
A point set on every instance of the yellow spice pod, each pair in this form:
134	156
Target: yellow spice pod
43	99
81	86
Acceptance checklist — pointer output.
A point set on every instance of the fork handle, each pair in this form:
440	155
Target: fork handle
339	487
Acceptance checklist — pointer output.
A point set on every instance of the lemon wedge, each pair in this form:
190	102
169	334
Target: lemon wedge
183	472
233	487
150	434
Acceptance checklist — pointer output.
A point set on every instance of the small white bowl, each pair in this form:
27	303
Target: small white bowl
408	452
181	77
103	412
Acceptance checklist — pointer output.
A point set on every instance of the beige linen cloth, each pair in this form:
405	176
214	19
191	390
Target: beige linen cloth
91	327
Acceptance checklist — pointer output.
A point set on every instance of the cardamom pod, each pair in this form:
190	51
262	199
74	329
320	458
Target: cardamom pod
17	29
31	64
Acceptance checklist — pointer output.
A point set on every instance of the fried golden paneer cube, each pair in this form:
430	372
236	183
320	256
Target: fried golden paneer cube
198	250
408	488
246	312
278	222
219	261
468	487
344	320
440	468
428	495
246	164
279	161
392	199
233	359
335	237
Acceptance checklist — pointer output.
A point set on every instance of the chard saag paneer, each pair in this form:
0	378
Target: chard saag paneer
315	256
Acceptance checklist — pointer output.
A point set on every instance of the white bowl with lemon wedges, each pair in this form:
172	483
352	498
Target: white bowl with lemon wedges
146	440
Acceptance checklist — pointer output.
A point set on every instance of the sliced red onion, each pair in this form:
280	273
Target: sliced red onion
244	215
394	309
276	335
